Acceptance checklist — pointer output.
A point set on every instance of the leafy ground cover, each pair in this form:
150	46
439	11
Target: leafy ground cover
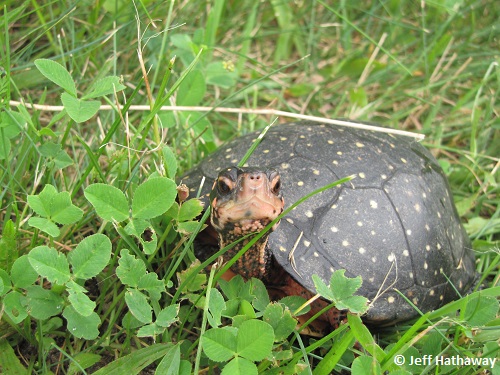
97	273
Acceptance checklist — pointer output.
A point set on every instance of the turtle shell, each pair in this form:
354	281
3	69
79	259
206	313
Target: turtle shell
394	224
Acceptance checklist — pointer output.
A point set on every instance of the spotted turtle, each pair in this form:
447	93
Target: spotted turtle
395	224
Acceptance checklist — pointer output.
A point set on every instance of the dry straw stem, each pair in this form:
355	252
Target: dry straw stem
255	111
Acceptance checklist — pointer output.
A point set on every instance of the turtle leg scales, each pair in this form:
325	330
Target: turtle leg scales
325	323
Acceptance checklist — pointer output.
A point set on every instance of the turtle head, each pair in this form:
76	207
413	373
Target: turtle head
244	201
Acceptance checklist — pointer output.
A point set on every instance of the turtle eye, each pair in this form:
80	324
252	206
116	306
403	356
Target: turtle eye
276	186
223	187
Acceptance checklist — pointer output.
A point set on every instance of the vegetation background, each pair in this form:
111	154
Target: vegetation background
96	269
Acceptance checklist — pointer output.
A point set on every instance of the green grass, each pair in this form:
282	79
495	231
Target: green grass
432	69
